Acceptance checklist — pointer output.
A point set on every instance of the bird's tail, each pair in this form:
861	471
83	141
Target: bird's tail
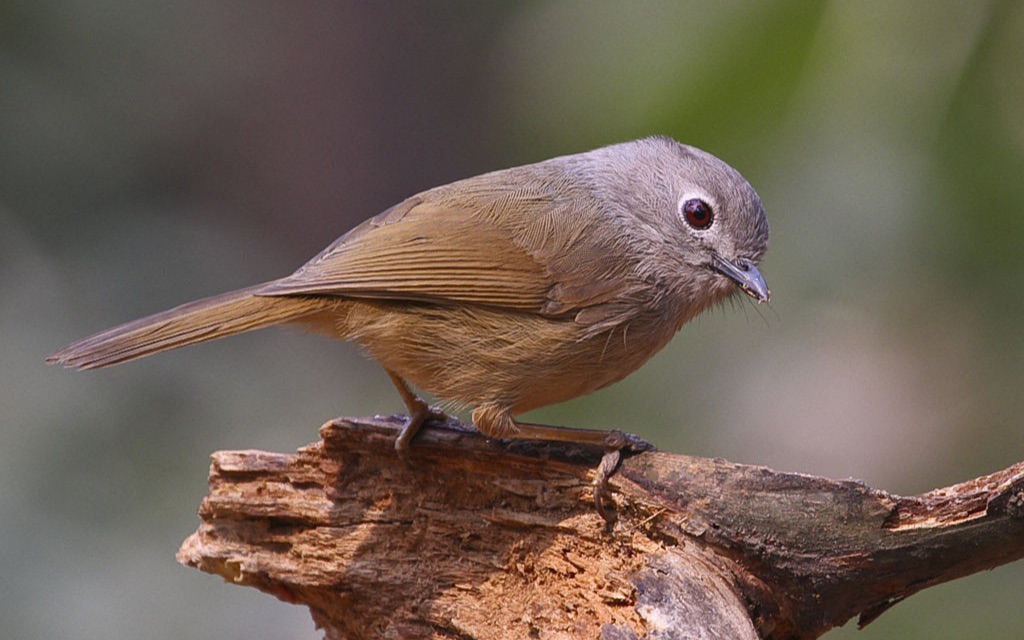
199	321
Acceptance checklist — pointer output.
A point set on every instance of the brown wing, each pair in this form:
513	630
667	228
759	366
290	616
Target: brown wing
482	241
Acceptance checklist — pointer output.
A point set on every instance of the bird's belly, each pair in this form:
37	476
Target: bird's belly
473	355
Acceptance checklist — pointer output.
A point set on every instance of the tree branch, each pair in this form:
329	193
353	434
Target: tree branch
489	539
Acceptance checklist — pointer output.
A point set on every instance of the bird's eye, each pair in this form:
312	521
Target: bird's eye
697	213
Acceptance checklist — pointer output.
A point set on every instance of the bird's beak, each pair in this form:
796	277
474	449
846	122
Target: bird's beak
745	274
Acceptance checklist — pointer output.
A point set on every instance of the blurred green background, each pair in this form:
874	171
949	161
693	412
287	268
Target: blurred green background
152	153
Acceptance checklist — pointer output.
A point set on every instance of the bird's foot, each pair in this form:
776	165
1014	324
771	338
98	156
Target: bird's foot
617	445
626	442
419	415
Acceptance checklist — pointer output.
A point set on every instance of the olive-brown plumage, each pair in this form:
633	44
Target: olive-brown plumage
510	290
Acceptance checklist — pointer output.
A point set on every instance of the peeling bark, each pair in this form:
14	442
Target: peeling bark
484	539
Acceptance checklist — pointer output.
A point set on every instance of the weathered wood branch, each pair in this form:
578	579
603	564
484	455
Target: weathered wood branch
486	539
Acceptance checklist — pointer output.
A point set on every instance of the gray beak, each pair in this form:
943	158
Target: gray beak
745	274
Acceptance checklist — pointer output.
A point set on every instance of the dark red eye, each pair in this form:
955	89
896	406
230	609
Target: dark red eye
698	214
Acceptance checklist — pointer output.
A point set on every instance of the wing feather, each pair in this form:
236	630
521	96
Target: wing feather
428	248
430	254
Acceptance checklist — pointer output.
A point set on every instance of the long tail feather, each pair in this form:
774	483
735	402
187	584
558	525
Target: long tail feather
199	321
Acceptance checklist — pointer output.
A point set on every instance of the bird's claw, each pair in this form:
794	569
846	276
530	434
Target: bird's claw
417	418
626	442
617	445
602	492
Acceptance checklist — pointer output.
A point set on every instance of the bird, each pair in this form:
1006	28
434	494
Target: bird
507	291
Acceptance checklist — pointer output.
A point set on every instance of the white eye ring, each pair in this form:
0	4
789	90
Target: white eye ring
697	211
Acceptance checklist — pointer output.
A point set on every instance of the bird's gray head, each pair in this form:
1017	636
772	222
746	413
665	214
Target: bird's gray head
704	223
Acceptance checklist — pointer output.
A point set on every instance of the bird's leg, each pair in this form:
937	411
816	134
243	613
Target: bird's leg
498	422
419	412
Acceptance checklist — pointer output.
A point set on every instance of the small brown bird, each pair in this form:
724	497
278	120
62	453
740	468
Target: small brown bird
510	290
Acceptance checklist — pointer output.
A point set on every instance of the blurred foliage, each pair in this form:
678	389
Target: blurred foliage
152	153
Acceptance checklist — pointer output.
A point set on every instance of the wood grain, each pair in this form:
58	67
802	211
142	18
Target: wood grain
489	539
